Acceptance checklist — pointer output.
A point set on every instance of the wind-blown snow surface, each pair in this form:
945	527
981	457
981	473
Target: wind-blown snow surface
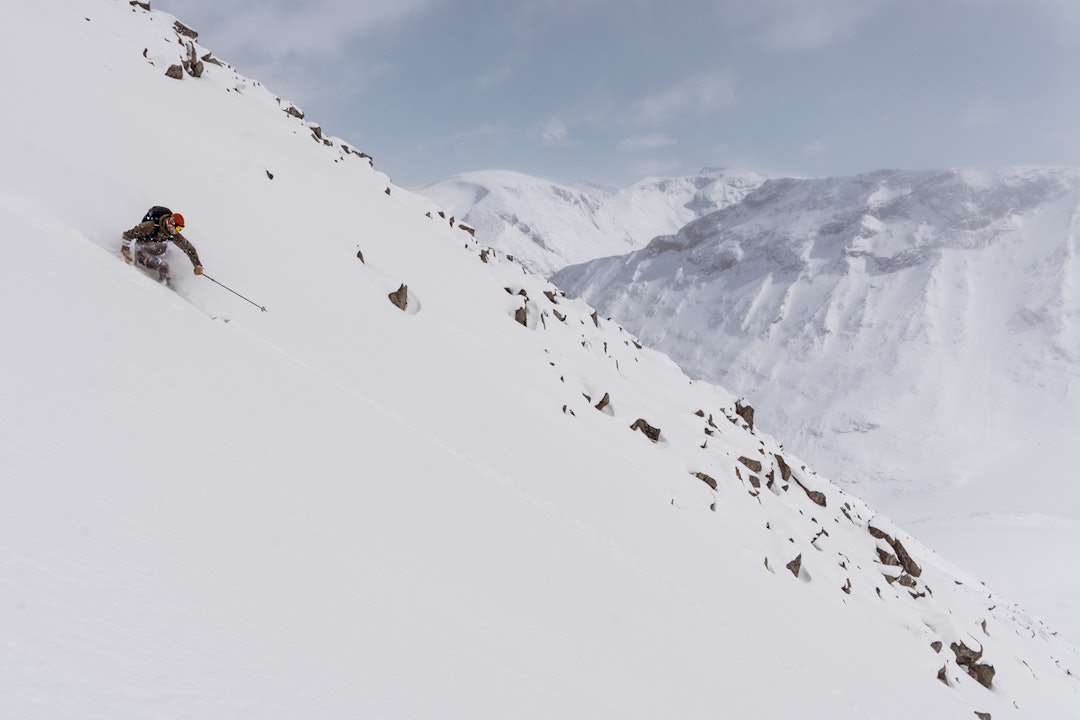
915	334
547	226
339	509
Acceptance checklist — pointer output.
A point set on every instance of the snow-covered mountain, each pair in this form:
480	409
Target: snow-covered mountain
423	483
546	225
915	334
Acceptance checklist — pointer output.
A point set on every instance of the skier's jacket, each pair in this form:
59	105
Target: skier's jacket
151	237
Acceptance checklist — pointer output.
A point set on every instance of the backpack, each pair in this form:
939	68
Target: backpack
156	213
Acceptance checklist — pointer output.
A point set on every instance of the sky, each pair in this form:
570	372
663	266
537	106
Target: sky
612	91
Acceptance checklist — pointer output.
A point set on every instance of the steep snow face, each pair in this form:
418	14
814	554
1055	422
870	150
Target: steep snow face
916	334
490	503
548	226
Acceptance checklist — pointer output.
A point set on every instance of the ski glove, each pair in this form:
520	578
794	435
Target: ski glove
198	269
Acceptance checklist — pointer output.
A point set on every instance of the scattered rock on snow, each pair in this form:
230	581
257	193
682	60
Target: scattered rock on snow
400	297
708	480
969	660
746	412
182	29
905	560
653	433
754	465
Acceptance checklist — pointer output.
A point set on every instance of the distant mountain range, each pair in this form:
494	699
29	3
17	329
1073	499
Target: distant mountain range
915	334
918	328
547	226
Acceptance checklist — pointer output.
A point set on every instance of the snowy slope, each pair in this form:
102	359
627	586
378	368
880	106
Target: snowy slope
337	508
914	334
547	226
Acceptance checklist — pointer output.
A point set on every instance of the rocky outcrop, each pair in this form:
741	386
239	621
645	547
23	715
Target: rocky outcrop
746	412
969	660
400	297
903	559
708	480
653	433
754	465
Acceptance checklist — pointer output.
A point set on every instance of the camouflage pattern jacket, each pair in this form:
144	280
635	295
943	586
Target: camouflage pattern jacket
152	238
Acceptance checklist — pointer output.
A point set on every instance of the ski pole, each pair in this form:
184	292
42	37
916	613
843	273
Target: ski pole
261	307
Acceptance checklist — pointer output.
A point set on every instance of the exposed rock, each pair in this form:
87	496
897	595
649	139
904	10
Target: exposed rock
184	30
595	319
969	660
522	316
905	559
192	63
936	645
785	471
887	558
711	482
816	496
982	715
143	5
983	674
754	465
400	297
360	256
943	675
795	565
653	433
294	111
176	72
604	402
746	412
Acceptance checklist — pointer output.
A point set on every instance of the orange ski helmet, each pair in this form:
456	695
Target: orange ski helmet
178	220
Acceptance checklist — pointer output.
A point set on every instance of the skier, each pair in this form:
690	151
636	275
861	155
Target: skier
146	243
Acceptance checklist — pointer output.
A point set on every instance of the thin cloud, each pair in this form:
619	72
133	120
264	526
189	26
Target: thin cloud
795	25
700	95
554	131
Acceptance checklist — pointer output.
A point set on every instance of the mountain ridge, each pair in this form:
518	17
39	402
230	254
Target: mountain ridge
549	225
